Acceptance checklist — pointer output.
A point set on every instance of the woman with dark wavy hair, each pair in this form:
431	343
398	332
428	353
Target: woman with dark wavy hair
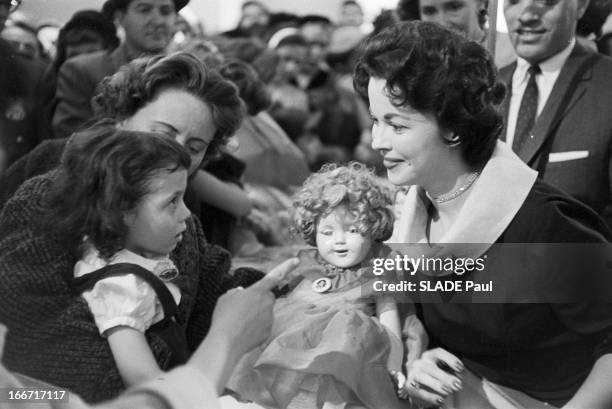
433	96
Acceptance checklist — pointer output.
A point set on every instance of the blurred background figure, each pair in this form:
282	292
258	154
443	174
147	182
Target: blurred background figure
273	165
47	34
187	27
14	129
351	14
386	18
86	32
293	57
6	6
279	21
317	31
408	10
148	26
342	54
254	21
289	106
204	50
240	48
21	35
468	17
270	156
20	77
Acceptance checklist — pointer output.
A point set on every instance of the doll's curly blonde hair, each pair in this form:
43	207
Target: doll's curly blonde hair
353	187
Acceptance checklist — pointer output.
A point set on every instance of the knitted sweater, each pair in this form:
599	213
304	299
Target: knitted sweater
44	157
52	335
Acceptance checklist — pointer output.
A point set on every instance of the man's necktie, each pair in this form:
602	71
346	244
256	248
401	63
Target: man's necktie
528	110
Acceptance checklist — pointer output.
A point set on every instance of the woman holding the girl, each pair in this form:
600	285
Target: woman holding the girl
433	96
53	335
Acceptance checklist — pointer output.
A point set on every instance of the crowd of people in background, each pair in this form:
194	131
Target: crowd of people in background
296	82
260	108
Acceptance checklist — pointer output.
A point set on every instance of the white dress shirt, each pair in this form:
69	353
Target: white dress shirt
550	70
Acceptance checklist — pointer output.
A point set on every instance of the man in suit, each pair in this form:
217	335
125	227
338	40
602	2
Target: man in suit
148	26
557	112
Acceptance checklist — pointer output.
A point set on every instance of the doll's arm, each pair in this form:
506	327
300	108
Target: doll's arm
415	337
133	355
388	315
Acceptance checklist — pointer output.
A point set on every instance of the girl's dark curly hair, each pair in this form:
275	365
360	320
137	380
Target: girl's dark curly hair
104	173
436	71
353	187
139	82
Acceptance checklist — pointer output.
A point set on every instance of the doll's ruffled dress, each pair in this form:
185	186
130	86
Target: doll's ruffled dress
324	347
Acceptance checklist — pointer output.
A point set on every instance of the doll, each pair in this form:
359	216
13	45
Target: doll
334	340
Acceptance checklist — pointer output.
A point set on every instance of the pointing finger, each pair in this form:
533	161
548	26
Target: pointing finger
276	275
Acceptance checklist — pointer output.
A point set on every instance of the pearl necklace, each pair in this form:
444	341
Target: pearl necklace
455	193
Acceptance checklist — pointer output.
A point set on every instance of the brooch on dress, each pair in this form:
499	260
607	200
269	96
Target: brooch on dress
321	285
166	270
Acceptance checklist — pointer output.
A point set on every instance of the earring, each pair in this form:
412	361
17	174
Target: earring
454	141
482	18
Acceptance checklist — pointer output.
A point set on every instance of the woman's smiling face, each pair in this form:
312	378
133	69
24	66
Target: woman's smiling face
411	142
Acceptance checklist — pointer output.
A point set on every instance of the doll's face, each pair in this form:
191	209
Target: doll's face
339	241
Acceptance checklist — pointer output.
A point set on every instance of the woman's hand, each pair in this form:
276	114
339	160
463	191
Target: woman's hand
434	376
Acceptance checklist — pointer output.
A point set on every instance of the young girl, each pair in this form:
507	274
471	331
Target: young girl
119	203
334	342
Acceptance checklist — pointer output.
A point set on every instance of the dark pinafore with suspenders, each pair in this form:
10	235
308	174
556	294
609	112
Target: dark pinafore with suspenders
170	328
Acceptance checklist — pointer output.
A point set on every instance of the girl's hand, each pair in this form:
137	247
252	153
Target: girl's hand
428	383
241	321
244	316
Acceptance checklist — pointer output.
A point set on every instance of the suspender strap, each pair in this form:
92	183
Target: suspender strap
87	281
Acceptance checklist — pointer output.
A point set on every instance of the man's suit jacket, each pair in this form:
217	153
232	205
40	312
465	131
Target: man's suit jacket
571	143
77	80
